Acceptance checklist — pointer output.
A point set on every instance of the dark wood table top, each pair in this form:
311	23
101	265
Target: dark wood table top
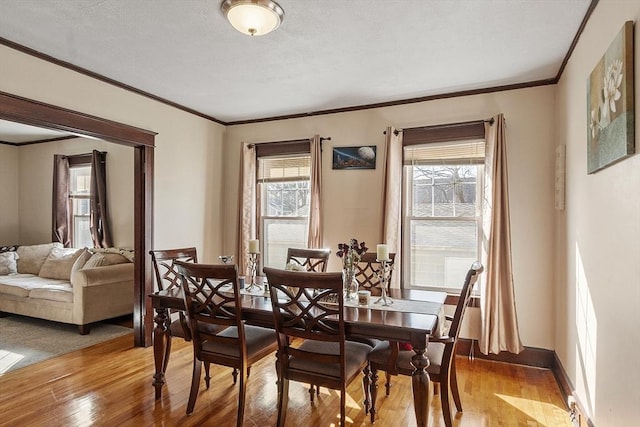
365	321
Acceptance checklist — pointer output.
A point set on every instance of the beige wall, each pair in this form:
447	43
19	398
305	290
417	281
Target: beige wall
188	159
594	245
9	233
36	184
352	200
598	242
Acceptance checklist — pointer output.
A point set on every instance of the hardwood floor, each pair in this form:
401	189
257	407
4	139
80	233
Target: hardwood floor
110	385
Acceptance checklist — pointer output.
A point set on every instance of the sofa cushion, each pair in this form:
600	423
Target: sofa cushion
33	256
21	285
8	263
53	292
59	263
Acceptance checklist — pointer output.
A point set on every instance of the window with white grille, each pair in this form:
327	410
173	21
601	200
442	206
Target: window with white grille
283	191
79	193
442	193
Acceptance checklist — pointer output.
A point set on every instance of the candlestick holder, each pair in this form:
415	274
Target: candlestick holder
384	274
253	264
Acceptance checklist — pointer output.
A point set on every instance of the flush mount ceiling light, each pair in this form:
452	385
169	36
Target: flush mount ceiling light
253	17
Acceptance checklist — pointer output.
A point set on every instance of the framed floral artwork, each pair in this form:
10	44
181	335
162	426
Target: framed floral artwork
363	157
610	100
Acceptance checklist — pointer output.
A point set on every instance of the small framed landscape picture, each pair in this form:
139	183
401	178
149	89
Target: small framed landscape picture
362	157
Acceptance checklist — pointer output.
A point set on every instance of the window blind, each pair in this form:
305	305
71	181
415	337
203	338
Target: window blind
291	168
442	133
451	152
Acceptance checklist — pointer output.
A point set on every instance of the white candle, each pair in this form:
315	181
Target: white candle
383	252
254	246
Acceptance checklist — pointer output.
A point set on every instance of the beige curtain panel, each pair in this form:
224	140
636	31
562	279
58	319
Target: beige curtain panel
246	205
315	208
498	311
392	224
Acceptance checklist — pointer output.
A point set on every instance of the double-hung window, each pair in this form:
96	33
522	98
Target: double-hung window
80	216
284	198
442	226
79	195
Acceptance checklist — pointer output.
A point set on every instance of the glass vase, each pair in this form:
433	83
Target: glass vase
350	284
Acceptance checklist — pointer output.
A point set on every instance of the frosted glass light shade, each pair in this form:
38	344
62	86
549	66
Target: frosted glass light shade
253	17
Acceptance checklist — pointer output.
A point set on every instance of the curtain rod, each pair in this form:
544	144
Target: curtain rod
291	141
84	154
446	125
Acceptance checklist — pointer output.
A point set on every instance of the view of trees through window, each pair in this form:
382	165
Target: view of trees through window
442	223
448	190
287	198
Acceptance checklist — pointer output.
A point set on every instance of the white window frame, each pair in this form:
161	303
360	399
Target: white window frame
408	218
73	196
262	197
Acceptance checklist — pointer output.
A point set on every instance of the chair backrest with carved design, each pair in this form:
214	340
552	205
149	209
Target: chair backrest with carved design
299	312
212	296
162	260
367	272
311	259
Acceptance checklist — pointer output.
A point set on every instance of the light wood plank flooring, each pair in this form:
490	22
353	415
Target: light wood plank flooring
110	385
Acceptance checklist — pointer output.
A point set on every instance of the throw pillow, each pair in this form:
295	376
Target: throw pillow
59	263
96	260
127	253
33	256
10	248
113	259
81	261
293	266
8	264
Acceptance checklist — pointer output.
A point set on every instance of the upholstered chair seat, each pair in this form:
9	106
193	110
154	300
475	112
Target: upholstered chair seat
354	354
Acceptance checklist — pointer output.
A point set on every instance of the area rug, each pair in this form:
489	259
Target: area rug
26	340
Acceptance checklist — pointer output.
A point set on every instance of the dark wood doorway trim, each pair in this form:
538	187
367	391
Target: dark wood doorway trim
35	113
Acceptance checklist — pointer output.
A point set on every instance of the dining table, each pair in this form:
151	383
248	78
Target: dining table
413	317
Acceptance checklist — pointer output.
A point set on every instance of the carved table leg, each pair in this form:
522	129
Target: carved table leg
373	391
422	393
366	388
160	342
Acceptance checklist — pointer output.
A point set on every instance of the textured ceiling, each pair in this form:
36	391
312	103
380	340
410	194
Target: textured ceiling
17	133
327	54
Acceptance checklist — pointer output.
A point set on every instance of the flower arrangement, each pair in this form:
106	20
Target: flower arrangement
351	253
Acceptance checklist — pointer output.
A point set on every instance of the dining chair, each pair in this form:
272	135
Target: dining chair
311	259
368	280
311	334
212	297
167	278
388	356
314	260
366	273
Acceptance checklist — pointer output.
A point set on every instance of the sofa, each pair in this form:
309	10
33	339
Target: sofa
69	285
